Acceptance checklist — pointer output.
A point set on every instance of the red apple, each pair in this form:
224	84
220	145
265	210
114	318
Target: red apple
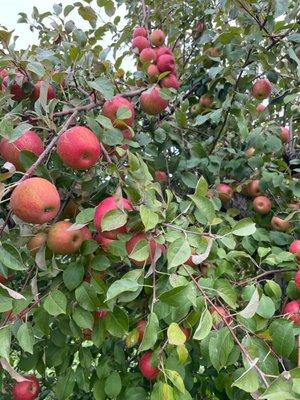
295	249
151	101
29	141
140	43
3	279
262	205
250	152
284	134
26	390
35	200
152	246
157	37
141	326
61	240
153	72
111	107
147	55
51	94
225	192
36	242
252	188
3	73
280	224
160	176
163	50
260	108
104	242
79	148
297	280
166	63
16	87
86	233
147	367
100	314
218	312
292	311
140	31
262	89
206	100
170	81
103	208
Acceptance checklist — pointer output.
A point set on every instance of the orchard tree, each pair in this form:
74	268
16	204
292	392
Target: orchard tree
150	214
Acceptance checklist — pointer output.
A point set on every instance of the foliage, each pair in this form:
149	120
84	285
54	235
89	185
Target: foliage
49	303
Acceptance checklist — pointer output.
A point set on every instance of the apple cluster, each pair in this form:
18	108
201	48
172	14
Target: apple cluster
159	63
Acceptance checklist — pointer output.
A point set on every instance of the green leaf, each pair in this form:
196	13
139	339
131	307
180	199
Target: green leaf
25	336
10	261
175	297
113	219
18	131
220	347
283	341
113	385
88	14
204	326
65	385
266	307
84	319
5	340
248	381
226	292
176	379
140	251
244	227
148	217
36	68
178	252
73	275
279	389
104	86
55	303
86	297
123	113
105	122
98	390
201	188
205	206
117	322
150	334
85	216
121	286
175	335
251	308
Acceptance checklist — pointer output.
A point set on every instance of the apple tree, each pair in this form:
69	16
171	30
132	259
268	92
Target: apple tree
149	202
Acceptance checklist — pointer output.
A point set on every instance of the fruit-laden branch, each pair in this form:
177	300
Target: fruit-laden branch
252	363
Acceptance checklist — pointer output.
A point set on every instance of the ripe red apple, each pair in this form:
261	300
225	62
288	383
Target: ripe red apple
147	366
100	314
140	31
16	87
284	134
166	63
260	108
35	200
190	262
147	55
51	94
262	89
295	249
297	280
26	390
292	311
280	224
111	107
170	81
151	101
163	50
86	233
252	188
63	241
160	176
225	192
153	72
157	37
152	246
3	73
103	241
29	141
206	100
36	242
198	29
250	152
103	208
141	326
216	311
262	205
79	148
140	43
